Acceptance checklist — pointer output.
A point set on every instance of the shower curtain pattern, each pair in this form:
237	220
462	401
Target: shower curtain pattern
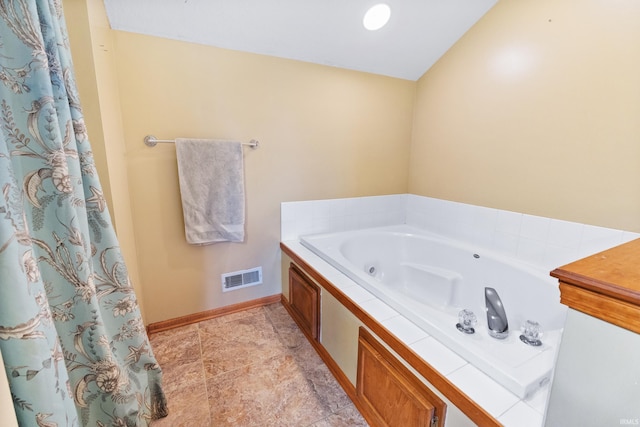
72	339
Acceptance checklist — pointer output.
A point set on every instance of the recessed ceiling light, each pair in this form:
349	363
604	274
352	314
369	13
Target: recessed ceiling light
376	17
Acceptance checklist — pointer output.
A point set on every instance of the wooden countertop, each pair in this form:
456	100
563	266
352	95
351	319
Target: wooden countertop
605	285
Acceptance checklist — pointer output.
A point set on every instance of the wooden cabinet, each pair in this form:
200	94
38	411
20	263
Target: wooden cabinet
597	372
605	285
304	301
389	393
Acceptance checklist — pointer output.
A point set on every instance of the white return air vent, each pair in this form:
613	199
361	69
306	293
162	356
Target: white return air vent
241	279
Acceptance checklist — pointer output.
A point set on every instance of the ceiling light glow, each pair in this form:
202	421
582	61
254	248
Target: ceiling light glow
376	17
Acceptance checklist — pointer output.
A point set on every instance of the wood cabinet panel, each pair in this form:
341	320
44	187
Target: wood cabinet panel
304	299
390	394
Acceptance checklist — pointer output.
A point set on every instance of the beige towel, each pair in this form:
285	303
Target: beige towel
211	175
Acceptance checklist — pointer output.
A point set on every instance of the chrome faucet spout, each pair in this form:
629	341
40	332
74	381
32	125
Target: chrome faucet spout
497	323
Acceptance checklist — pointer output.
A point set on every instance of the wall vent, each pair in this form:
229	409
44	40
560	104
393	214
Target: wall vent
241	279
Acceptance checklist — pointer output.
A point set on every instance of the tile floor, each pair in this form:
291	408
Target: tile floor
253	368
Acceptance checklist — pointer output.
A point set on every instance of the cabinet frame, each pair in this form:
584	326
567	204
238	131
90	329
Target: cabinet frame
382	377
304	301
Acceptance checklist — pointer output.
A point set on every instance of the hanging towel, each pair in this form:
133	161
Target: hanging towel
211	175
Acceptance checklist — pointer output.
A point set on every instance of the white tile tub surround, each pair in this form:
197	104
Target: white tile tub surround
544	242
325	216
404	329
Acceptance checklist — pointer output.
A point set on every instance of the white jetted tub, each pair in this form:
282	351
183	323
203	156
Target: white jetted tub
429	279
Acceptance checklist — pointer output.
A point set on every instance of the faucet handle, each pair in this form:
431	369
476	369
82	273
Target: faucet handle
466	321
531	333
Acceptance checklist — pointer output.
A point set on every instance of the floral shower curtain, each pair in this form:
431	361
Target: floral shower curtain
73	342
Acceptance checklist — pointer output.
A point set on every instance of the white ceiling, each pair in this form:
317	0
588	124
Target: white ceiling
328	32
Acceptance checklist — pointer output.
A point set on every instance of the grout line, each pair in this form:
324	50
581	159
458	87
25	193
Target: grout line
204	374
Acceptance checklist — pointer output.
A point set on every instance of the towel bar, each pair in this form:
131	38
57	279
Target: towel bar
152	141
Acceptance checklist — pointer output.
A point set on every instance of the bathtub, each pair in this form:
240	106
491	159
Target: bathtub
429	279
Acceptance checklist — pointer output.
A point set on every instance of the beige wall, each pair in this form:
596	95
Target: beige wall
537	110
324	133
77	15
93	57
7	411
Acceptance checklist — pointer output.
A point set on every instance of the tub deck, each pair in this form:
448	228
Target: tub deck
481	398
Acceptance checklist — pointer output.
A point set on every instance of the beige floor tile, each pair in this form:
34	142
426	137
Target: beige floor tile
173	332
230	345
286	328
235	316
181	378
270	393
252	368
329	392
187	408
347	417
178	349
279	315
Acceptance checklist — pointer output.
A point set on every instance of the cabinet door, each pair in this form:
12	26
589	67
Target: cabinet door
304	298
389	393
